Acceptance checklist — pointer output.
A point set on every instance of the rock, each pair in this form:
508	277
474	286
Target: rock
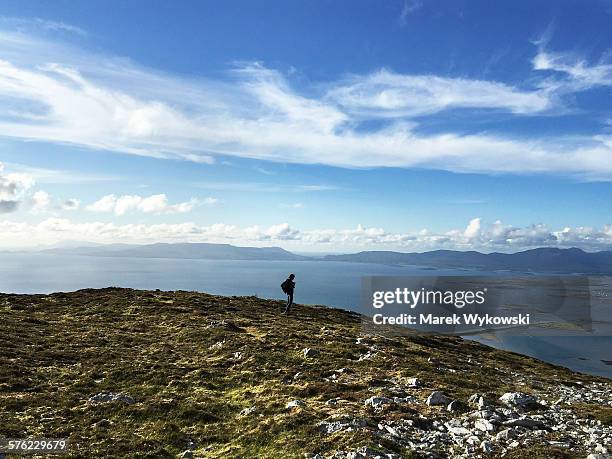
505	435
414	382
310	353
378	402
438	398
597	456
486	447
518	399
332	401
458	431
186	454
525	422
295	404
247	411
484	425
482	403
363	453
107	397
102	424
456	406
337	426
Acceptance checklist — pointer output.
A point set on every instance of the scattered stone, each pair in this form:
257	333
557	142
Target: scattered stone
248	411
456	406
295	404
486	447
107	397
505	435
341	425
518	399
458	430
332	402
484	425
310	353
525	422
438	398
188	454
414	382
378	402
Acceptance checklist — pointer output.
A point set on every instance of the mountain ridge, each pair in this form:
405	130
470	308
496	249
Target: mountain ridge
543	259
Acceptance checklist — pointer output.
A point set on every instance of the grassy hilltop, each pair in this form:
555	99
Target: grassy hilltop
210	376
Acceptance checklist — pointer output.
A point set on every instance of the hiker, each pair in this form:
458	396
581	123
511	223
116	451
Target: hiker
288	286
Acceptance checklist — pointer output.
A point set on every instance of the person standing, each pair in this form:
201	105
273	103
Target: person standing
288	287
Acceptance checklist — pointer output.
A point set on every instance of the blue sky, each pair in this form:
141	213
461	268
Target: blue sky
315	126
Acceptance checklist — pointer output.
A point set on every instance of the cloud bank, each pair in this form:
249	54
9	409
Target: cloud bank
475	236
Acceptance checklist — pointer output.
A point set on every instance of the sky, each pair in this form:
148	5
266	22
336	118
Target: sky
321	126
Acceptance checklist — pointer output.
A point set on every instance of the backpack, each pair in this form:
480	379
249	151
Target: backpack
285	286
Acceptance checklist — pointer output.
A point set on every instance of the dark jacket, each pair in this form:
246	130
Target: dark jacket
289	286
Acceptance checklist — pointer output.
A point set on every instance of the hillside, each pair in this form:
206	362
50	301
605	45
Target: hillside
127	373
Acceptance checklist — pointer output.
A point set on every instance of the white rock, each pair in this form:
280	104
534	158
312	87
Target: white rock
484	425
414	382
295	404
486	447
110	397
438	398
518	399
378	402
505	435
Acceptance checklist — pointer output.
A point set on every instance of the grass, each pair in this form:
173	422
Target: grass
163	349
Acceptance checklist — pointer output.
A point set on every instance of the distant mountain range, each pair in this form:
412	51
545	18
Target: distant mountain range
184	250
550	260
545	260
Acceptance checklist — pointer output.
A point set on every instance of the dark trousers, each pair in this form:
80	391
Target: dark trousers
289	302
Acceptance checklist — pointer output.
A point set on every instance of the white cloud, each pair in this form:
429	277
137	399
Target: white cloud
409	7
103	103
581	75
154	204
389	94
476	236
41	200
13	188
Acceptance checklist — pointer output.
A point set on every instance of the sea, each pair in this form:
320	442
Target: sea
334	284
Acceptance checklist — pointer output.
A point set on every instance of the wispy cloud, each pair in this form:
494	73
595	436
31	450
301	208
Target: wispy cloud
59	176
385	93
409	7
66	96
27	24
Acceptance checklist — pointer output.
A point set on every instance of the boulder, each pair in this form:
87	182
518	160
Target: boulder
438	398
525	422
484	425
107	397
378	402
519	400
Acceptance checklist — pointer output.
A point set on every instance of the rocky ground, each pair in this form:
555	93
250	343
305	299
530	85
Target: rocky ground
127	373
